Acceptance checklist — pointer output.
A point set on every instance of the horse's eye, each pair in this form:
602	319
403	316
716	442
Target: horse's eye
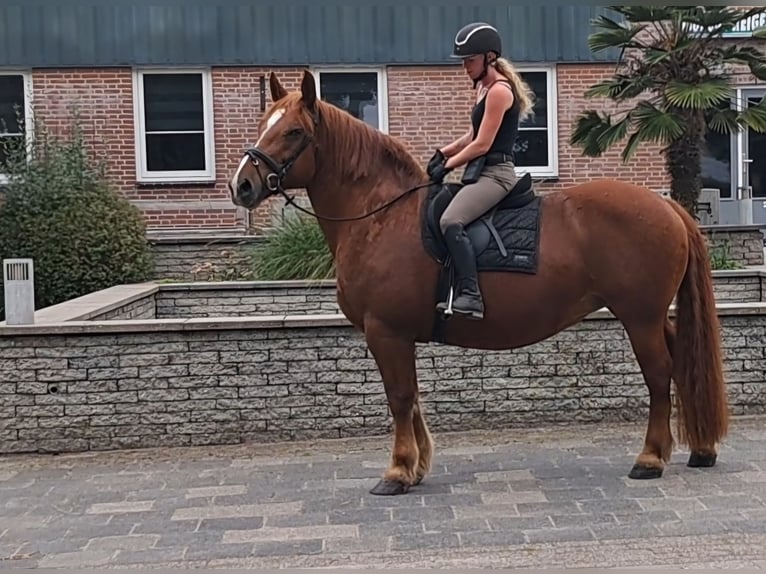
294	132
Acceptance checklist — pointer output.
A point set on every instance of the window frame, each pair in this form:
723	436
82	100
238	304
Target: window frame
29	130
380	71
552	169
143	175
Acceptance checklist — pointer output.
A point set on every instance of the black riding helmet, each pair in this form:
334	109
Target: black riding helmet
476	38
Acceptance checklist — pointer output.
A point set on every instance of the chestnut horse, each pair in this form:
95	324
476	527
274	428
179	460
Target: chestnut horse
603	243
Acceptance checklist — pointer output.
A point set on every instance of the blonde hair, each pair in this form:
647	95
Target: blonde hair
521	89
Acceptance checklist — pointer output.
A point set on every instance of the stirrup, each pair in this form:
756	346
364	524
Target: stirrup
446	308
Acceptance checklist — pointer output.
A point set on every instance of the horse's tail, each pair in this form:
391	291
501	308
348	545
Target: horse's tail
703	415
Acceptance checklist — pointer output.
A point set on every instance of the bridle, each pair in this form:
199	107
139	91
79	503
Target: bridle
273	180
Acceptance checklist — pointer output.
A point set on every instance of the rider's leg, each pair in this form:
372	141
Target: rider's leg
471	202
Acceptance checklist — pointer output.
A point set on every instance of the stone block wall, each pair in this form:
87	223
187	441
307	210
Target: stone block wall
236	300
144	308
203	258
223	258
232	383
302	297
738	289
742	244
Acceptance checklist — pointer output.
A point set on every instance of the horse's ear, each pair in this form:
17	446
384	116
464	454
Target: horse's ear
277	90
309	90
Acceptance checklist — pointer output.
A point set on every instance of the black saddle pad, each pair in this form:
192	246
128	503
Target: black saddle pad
506	238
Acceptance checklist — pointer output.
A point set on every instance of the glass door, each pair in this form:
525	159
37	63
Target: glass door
752	153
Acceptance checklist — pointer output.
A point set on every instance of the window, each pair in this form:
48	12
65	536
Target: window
716	159
174	126
536	149
15	112
361	92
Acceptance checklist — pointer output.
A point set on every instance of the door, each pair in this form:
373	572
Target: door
753	153
751	180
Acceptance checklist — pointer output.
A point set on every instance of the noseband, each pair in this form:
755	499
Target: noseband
273	181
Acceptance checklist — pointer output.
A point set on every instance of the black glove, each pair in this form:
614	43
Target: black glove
436	161
437	174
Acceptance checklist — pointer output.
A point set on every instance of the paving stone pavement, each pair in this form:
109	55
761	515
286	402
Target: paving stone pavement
551	497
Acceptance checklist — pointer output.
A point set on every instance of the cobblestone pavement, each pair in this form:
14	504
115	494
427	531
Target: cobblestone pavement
554	497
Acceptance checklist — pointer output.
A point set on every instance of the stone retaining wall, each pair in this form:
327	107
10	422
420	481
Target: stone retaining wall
243	299
247	298
742	244
738	287
144	308
240	299
203	257
80	386
210	257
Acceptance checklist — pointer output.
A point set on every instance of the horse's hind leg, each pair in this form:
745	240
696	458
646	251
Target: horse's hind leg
395	358
651	341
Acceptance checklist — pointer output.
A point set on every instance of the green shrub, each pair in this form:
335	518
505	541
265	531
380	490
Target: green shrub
295	250
59	209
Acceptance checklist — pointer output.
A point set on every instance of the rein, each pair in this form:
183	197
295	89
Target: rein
273	181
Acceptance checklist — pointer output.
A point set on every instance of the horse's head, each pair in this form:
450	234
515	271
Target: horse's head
283	157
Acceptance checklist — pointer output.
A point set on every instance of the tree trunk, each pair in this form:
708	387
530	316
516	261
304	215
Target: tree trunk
683	161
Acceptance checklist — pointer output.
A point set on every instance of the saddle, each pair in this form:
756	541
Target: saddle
505	238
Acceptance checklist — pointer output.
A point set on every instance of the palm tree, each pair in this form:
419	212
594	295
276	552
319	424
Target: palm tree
674	74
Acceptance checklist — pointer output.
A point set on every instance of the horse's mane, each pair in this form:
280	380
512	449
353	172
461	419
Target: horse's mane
363	150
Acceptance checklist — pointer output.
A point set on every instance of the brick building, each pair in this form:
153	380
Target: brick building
173	91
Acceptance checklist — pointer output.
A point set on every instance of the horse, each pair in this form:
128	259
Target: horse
547	261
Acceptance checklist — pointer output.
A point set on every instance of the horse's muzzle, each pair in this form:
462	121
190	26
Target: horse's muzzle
246	195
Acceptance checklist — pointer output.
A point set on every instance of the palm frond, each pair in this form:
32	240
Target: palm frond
607	23
657	125
609	39
630	148
698	96
612	133
754	58
644	13
620	87
724	121
588	128
655	55
754	117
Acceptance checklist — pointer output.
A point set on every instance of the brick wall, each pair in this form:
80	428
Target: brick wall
77	392
427	107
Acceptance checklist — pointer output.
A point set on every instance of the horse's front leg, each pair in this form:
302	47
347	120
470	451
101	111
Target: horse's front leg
395	357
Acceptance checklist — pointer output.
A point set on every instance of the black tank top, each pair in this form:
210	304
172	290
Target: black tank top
509	127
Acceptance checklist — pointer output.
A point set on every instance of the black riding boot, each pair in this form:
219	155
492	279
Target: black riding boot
467	298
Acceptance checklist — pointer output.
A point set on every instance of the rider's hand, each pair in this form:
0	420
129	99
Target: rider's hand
438	172
436	161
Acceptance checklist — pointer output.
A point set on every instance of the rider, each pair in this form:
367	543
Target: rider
502	100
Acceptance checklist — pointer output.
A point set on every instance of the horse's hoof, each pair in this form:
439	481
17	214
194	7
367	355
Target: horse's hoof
698	459
390	488
418	479
639	472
